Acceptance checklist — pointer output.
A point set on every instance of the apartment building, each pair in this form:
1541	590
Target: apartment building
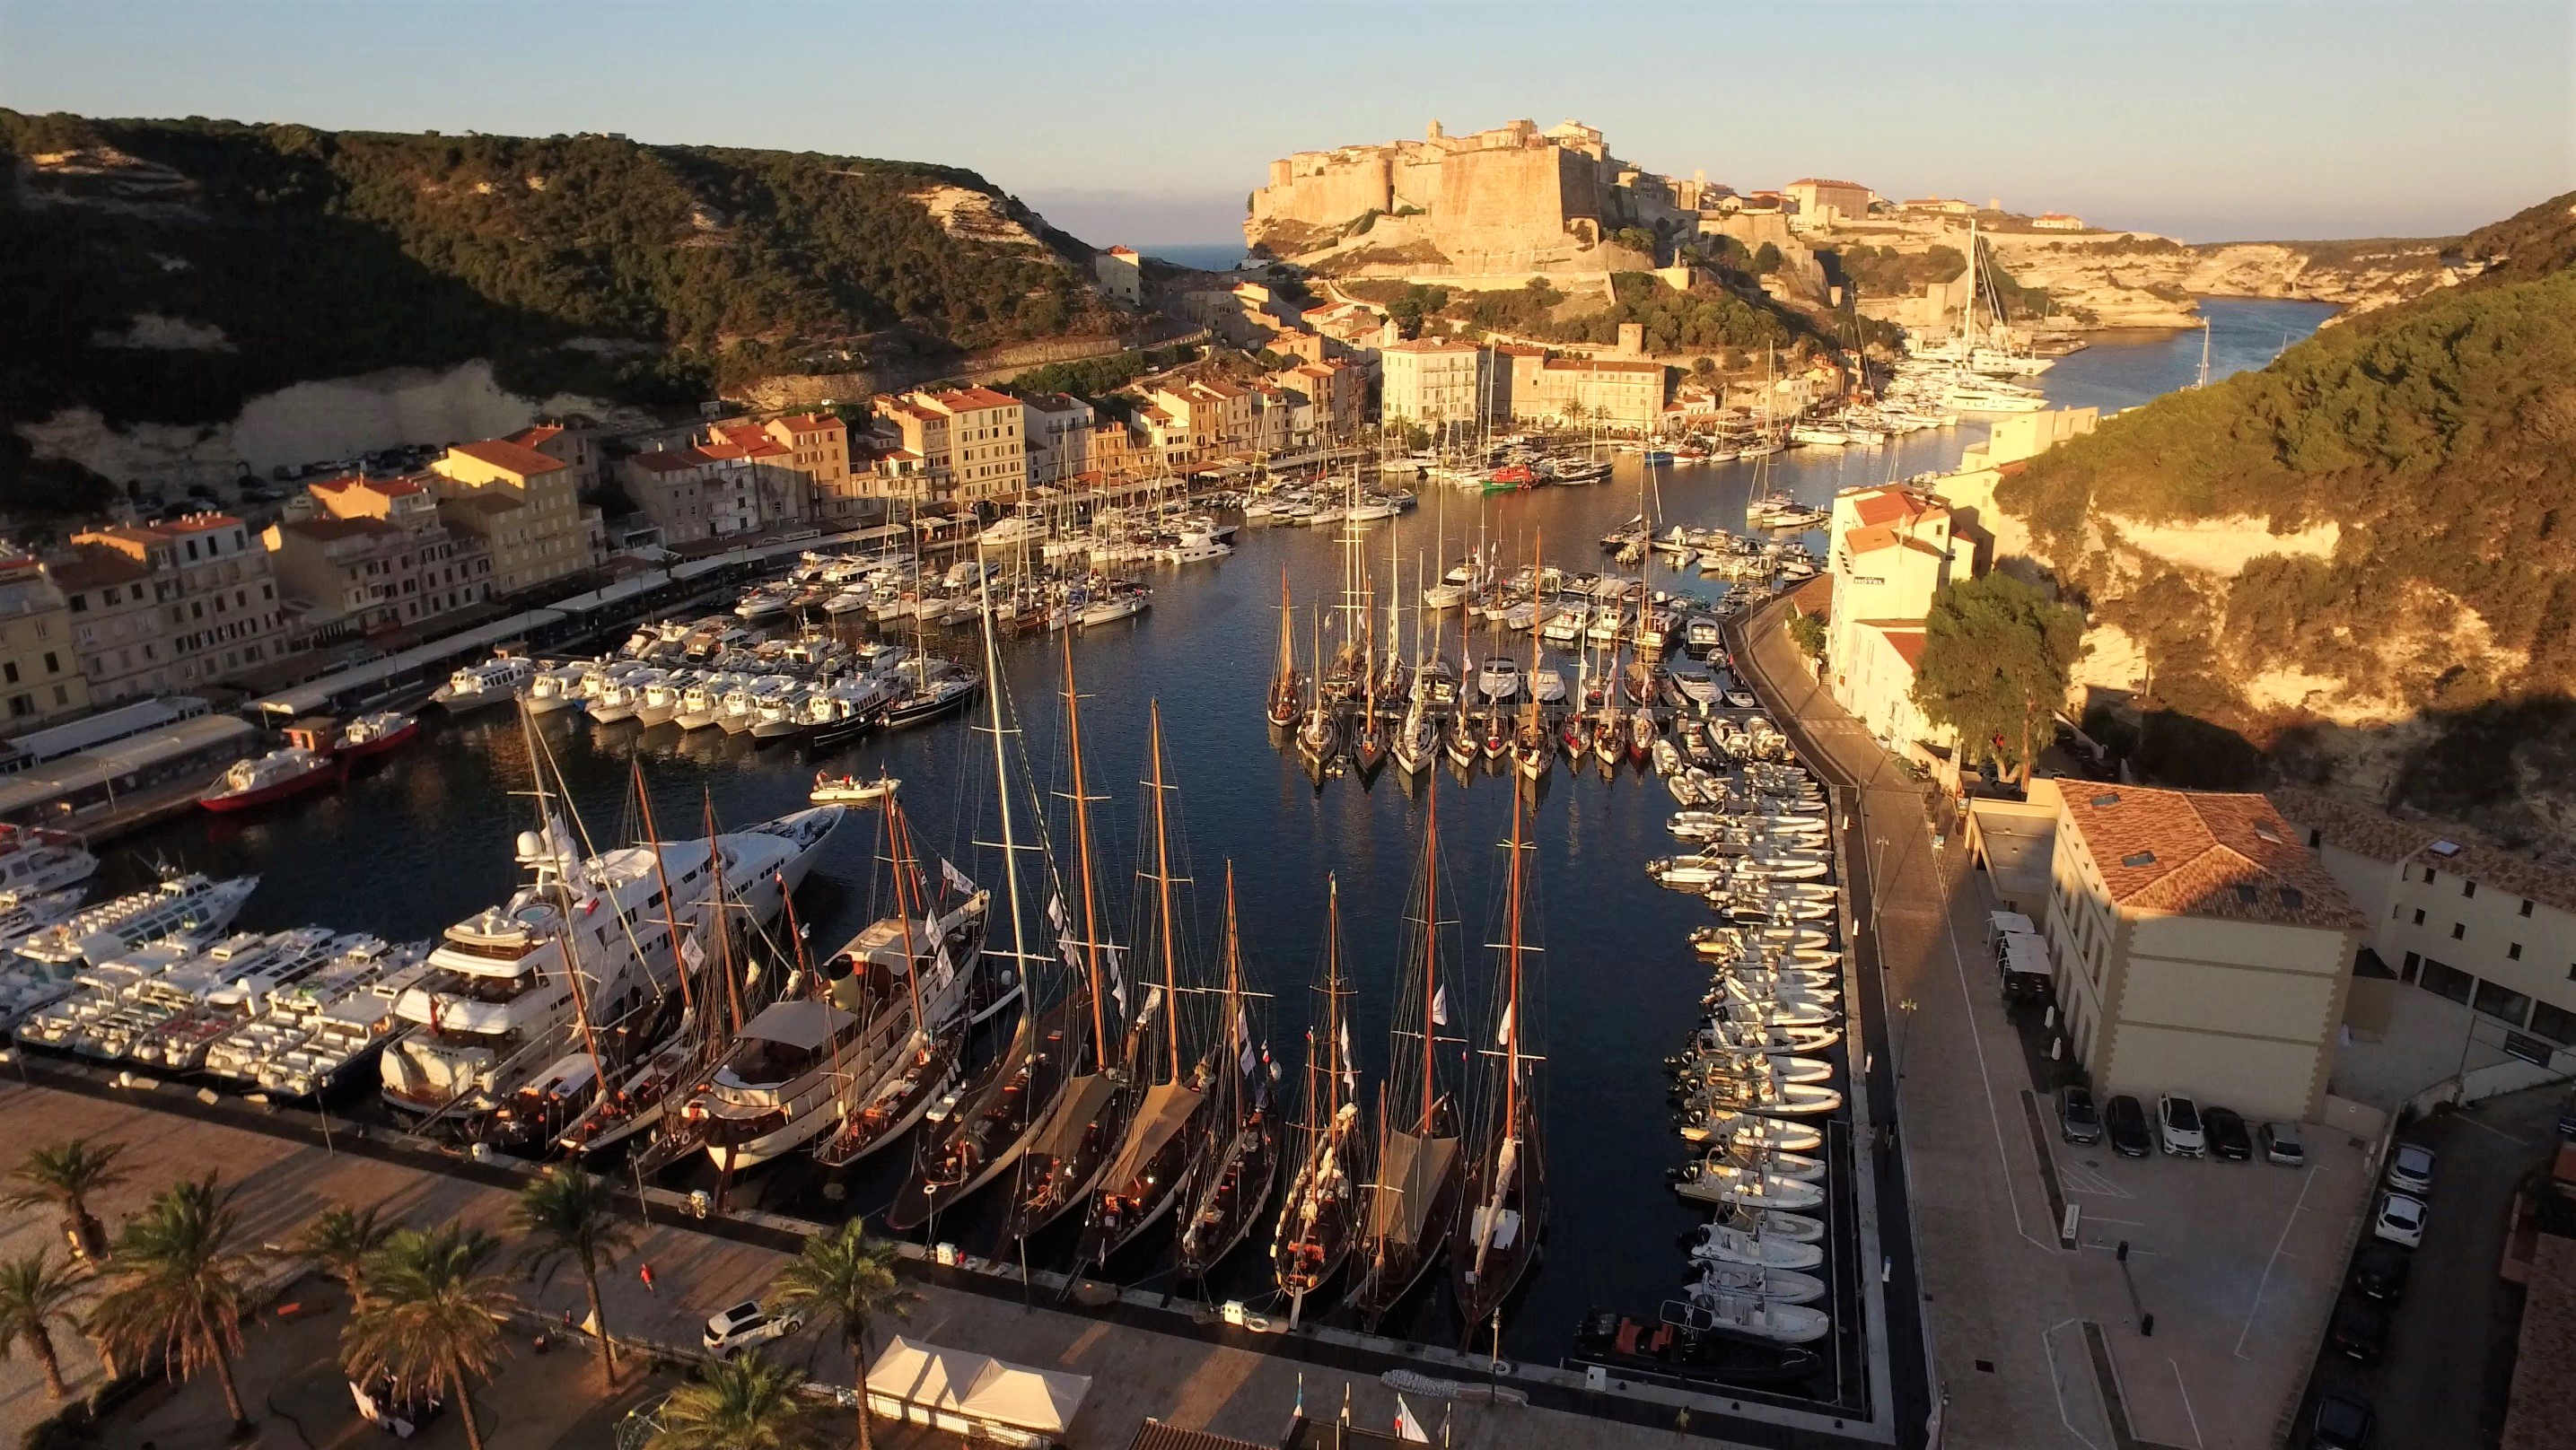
2201	948
1892	549
1434	382
346	578
440	571
117	623
215	587
2487	929
971	441
1057	429
1613	392
520	505
40	673
1339	392
574	445
1212	416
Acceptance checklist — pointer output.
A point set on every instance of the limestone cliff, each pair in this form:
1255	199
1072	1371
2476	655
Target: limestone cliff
2354	568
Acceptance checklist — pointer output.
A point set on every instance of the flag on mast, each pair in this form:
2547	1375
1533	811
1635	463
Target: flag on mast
1407	1427
957	880
1440	1006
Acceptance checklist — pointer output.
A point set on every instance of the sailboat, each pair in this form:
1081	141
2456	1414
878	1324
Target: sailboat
1073	1141
1282	708
1505	1207
1320	738
1534	748
1318	1216
1234	1184
1411	1203
1167	1131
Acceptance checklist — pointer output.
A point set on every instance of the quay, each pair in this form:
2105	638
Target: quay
1147	1355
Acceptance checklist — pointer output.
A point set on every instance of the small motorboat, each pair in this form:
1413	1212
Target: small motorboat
271	777
851	790
376	733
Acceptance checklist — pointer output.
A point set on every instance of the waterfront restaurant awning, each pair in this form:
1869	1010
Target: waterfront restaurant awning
973	1394
307	698
116	766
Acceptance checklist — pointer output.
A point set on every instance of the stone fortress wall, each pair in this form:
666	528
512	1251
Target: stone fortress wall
1511	190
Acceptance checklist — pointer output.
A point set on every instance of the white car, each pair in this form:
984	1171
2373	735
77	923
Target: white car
2178	1128
748	1323
2410	1170
2400	1219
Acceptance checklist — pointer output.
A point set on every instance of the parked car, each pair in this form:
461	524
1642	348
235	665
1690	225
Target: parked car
2359	1330
2178	1128
2400	1219
2282	1145
2379	1270
2410	1169
2342	1423
2226	1134
747	1323
2126	1122
2077	1119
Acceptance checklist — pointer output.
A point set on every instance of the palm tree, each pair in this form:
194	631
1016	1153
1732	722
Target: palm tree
33	1293
431	1317
845	1276
177	1286
743	1403
69	1173
341	1241
571	1215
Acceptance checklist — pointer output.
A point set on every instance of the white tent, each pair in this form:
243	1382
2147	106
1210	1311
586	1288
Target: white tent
952	1389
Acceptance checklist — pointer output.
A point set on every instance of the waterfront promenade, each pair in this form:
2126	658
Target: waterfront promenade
2031	1342
553	1400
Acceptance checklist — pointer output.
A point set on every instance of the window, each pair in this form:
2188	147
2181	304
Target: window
2459	931
9	672
2414	964
2501	1002
2419	916
2447	981
2513	953
53	666
2526	907
2428	875
2468	888
2555	1023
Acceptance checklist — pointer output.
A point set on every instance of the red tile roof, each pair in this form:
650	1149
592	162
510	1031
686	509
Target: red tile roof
510	457
668	460
964	399
194	524
1600	365
535	435
2383	837
1888	505
811	422
2204	853
95	566
1907	642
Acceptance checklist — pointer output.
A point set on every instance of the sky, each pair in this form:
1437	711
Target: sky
1147	123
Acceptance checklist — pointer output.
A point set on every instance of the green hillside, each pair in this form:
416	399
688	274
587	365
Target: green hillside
317	254
2439	437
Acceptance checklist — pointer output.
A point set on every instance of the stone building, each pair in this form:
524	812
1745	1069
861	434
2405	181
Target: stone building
345	579
215	588
1434	381
1122	275
1617	393
1056	428
117	625
2200	948
41	680
520	505
971	441
1821	203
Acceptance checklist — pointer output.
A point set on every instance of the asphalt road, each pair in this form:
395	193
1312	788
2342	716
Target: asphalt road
2450	1354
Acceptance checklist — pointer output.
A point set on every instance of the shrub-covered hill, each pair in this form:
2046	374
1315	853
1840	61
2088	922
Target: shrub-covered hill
2420	464
167	270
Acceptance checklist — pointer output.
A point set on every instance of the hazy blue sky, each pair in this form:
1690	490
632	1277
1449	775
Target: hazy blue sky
1147	123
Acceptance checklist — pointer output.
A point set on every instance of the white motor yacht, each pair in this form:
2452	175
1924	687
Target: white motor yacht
1499	678
35	862
179	904
300	1018
492	682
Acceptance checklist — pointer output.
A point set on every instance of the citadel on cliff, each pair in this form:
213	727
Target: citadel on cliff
1512	199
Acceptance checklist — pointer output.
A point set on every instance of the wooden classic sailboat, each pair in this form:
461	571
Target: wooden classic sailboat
1283	704
1320	1211
1504	1210
1243	1164
1412	1201
1167	1137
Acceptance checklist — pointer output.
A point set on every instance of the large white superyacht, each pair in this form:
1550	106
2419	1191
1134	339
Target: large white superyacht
315	1032
498	1005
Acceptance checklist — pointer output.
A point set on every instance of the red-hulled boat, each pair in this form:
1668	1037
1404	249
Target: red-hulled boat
377	733
271	777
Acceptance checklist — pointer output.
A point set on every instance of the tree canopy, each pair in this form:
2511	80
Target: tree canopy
1996	656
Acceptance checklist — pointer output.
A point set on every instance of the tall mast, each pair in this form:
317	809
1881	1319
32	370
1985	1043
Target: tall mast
1513	1028
1333	990
662	874
1082	858
899	843
1163	896
724	929
1234	1041
1430	938
1002	789
1538	566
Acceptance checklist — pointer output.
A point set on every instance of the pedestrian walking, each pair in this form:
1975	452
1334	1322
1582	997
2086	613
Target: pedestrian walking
646	1271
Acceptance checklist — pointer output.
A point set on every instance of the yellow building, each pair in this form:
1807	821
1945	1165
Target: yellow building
972	441
1433	381
521	505
40	673
2200	948
216	589
1613	392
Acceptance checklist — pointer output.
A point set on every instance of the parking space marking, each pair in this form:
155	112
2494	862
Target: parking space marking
2187	1410
2089	1181
2492	1128
2057	1380
1977	1039
2307	1180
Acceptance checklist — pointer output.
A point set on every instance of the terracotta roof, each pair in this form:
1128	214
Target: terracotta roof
95	566
2204	853
1155	1435
1906	640
811	422
326	530
534	436
668	460
1815	597
501	453
1430	344
194	524
2383	837
964	399
1824	181
1600	365
1888	505
1122	251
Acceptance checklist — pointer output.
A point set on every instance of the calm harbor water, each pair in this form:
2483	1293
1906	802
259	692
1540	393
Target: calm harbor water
423	838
